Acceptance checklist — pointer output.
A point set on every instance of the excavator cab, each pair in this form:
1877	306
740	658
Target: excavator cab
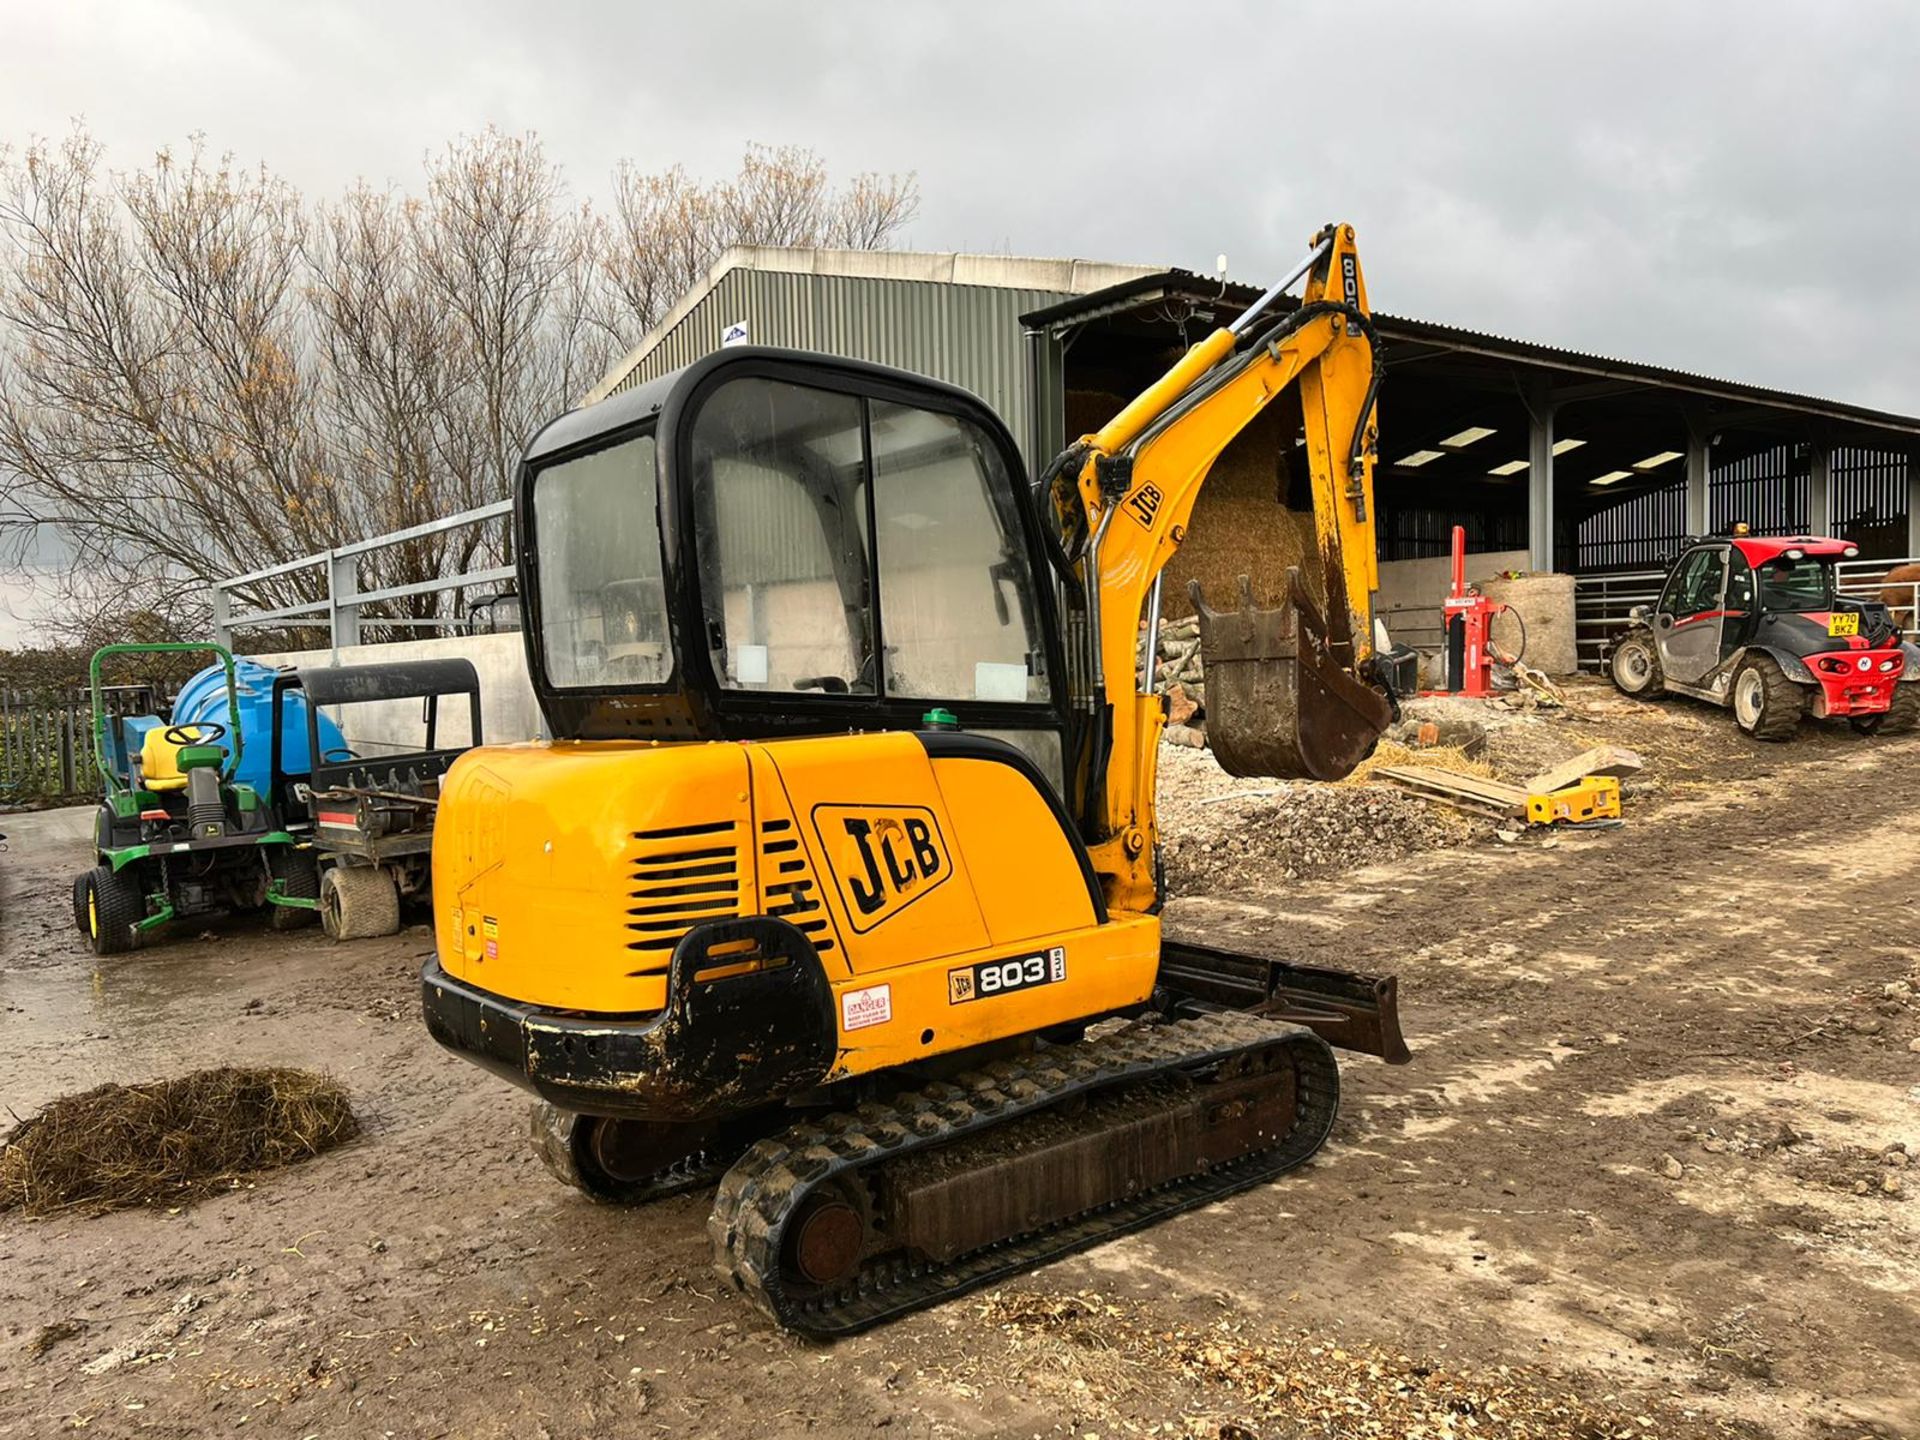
765	544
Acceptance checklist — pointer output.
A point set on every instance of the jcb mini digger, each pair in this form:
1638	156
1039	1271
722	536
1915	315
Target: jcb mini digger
847	835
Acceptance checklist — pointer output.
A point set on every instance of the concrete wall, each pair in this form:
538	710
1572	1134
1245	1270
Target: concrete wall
508	710
1419	586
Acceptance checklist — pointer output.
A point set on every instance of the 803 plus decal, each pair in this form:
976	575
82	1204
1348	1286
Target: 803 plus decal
998	977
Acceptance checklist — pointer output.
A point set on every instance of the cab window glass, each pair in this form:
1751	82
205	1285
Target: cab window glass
603	604
1740	585
779	481
1696	584
958	615
1802	584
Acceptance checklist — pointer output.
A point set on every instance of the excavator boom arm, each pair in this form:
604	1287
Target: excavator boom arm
1137	480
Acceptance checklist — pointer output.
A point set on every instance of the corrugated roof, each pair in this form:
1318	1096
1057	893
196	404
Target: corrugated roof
998	272
1139	290
1101	287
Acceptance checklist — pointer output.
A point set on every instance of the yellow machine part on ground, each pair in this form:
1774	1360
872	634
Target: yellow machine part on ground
942	893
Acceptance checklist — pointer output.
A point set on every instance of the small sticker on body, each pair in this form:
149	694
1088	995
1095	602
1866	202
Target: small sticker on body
872	1005
489	927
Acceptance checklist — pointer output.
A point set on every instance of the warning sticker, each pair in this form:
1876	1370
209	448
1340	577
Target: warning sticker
489	927
872	1005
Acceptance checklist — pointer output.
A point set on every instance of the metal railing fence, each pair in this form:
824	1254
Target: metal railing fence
1867	580
1601	604
339	611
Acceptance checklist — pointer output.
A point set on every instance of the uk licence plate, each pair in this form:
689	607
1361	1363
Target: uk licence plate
1847	624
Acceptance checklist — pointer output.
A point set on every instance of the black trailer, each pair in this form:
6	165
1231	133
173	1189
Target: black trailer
367	818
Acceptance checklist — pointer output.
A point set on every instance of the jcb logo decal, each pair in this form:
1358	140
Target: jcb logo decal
883	857
1144	504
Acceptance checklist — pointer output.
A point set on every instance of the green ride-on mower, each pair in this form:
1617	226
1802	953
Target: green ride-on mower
177	834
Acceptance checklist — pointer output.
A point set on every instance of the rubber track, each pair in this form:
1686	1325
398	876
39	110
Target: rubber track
550	1143
764	1190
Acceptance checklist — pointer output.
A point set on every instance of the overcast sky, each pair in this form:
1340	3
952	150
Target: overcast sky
1726	187
1729	188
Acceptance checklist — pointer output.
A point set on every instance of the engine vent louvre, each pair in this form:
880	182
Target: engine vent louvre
792	893
680	877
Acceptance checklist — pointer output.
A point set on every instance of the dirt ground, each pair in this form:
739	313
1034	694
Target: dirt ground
1640	1177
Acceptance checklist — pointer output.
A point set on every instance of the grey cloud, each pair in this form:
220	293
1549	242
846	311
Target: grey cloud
1724	187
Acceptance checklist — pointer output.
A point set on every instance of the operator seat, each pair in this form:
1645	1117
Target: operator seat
165	766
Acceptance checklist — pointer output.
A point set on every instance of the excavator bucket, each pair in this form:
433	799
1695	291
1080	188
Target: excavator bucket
1278	702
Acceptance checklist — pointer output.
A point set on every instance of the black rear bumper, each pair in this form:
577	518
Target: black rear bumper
721	1046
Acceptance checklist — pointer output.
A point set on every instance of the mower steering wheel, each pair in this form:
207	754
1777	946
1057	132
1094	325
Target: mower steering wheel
177	734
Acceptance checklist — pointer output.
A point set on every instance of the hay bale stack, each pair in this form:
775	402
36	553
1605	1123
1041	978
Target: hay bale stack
1240	524
1545	605
119	1146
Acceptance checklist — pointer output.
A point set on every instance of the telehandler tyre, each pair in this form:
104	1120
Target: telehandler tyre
1634	666
1766	704
1897	719
358	902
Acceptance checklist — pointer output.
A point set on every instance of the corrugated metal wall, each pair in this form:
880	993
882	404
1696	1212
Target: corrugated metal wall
1768	490
1631	535
968	335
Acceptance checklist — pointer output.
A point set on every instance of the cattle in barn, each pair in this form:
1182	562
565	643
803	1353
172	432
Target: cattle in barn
1898	591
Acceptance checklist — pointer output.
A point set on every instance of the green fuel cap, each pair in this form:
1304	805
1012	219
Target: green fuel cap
940	718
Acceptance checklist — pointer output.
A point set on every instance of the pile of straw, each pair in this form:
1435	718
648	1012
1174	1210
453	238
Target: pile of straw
169	1141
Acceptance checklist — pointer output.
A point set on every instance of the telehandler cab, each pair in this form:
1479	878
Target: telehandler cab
838	881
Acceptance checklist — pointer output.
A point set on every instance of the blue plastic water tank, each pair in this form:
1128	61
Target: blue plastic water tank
204	698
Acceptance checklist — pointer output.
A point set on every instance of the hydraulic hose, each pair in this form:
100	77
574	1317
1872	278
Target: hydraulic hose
1518	655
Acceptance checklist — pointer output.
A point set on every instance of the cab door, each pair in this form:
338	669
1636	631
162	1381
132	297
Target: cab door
1692	614
1742	604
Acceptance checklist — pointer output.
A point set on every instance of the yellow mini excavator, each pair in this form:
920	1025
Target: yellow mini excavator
837	885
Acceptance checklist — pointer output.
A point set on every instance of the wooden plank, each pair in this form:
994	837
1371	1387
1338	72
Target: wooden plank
1454	781
1486	809
1488	797
1601	760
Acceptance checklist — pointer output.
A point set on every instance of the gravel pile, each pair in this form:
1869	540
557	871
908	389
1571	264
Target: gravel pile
1222	833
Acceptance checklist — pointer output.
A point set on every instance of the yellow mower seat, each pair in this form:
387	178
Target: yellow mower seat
164	765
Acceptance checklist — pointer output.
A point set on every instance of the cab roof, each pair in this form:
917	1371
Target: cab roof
1759	549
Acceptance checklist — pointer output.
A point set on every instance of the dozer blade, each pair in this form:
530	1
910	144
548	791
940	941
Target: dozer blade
1278	701
1350	1012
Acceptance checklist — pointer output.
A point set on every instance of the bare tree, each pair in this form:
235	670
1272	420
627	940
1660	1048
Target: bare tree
204	374
669	230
